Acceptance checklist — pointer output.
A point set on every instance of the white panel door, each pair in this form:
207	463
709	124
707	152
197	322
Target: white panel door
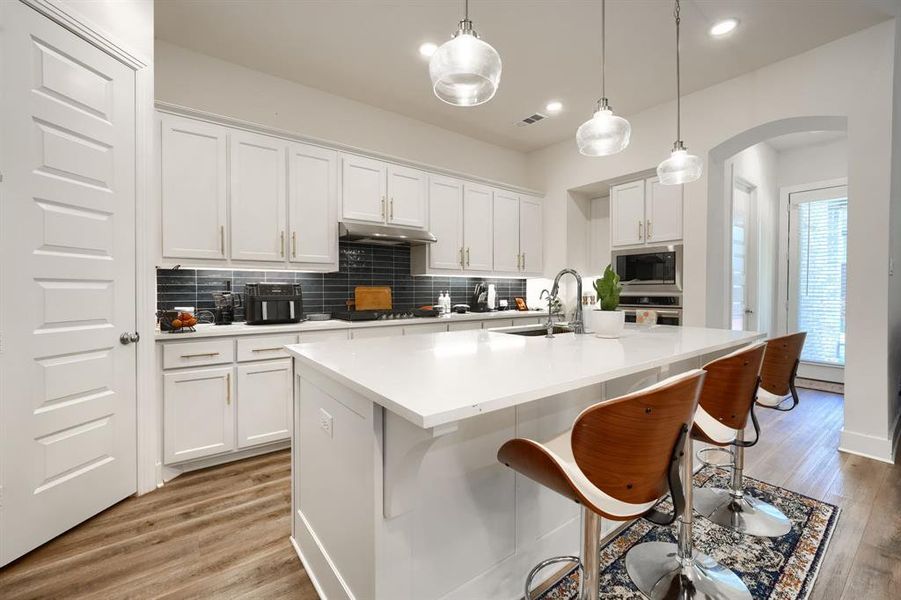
264	402
506	232
193	188
257	184
312	204
664	212
364	188
446	222
407	191
478	228
67	280
627	214
198	413
530	235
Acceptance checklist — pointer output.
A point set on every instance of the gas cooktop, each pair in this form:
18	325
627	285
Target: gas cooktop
380	315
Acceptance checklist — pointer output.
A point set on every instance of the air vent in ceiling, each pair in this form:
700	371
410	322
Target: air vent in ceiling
531	120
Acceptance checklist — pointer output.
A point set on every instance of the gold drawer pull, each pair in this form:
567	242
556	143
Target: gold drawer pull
200	354
266	349
228	389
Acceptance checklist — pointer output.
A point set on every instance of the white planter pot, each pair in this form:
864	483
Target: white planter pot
605	323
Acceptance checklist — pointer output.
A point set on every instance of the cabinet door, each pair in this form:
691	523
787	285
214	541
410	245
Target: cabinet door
375	332
627	214
407	190
664	212
364	187
478	228
257	183
264	402
530	235
312	204
198	416
193	186
326	335
446	222
506	232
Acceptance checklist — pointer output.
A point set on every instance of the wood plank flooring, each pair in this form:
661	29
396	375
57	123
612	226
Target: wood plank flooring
223	532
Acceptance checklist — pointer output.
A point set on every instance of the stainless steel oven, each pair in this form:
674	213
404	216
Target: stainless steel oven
652	269
667	307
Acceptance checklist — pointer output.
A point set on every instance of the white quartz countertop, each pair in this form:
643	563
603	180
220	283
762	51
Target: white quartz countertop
439	378
205	330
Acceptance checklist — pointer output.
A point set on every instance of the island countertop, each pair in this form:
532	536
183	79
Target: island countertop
440	378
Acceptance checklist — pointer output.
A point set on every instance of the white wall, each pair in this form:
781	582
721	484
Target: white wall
851	77
809	164
202	82
128	23
758	166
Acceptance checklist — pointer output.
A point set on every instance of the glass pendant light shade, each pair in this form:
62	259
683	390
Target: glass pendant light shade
680	167
465	71
604	133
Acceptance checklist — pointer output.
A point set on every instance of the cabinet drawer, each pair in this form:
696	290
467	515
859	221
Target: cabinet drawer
427	328
529	321
464	326
194	354
498	323
375	332
258	348
325	335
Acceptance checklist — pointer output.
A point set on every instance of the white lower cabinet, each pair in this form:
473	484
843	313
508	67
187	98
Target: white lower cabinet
375	332
264	402
464	326
325	335
427	328
198	415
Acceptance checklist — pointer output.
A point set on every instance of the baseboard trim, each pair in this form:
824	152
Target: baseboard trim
306	568
868	446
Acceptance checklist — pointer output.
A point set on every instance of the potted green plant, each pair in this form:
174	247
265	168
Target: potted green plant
605	320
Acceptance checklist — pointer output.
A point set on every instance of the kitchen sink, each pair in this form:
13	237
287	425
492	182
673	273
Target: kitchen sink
535	330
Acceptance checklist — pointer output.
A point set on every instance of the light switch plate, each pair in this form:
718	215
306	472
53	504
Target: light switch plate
326	422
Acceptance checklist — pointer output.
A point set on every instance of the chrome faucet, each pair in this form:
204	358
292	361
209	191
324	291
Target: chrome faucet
550	320
576	323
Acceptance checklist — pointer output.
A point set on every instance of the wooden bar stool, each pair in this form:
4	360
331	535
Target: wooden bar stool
726	401
780	367
617	461
664	570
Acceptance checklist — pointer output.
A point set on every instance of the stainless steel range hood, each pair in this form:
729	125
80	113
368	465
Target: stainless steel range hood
384	234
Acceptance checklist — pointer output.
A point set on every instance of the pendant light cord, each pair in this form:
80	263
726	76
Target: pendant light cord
466	10
678	79
604	50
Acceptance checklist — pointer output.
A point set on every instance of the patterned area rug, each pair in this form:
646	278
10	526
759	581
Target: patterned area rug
779	569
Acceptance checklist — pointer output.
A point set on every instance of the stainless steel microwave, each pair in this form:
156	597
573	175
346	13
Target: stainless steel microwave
650	269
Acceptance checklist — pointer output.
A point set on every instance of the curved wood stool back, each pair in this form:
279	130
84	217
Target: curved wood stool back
730	388
780	366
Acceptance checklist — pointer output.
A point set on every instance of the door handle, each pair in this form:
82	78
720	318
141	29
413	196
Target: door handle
748	311
129	338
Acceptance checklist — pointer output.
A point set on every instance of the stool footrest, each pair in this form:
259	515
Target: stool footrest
546	563
701	454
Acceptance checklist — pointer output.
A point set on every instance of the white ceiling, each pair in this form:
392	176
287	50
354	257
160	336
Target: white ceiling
367	50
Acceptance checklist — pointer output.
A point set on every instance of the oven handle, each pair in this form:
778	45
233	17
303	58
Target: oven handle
659	311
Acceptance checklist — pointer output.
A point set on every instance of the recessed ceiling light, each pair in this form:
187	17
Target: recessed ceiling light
721	28
554	106
427	49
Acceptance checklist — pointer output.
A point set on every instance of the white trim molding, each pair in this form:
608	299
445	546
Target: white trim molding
870	446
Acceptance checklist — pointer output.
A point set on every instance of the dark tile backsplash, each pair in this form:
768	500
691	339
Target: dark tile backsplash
359	264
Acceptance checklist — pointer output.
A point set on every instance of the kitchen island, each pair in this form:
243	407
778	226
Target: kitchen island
397	492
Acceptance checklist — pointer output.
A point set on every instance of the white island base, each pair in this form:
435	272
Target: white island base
397	492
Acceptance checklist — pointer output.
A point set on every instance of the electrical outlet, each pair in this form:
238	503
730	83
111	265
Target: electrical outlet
326	421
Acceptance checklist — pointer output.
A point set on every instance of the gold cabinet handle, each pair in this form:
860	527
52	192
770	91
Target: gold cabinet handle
228	389
462	262
518	262
222	239
293	244
282	244
467	256
523	261
391	209
273	349
639	230
649	230
383	207
200	354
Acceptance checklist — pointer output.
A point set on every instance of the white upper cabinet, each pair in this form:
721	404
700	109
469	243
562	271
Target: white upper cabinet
478	228
627	224
312	204
446	222
193	189
407	192
507	255
530	235
364	189
257	186
663	212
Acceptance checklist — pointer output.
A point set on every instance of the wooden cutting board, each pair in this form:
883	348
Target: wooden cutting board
372	297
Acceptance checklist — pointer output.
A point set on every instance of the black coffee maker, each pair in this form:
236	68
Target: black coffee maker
224	304
479	300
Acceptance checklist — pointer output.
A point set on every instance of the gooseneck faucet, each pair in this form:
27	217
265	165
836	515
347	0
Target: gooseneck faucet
576	323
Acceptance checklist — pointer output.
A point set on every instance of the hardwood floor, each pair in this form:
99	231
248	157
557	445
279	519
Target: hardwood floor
223	532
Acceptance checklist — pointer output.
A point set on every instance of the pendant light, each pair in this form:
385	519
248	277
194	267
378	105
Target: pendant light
680	167
465	71
604	133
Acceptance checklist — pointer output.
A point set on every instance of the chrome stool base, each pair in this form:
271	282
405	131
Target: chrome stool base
657	570
744	514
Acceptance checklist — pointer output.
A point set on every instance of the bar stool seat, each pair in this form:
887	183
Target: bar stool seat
769	399
779	371
617	461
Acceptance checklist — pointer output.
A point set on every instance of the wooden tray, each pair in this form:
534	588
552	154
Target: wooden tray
372	297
